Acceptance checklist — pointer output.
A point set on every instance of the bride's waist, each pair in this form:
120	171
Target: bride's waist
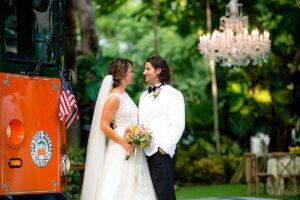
120	130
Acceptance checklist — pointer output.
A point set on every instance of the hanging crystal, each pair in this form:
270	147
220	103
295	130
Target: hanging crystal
232	44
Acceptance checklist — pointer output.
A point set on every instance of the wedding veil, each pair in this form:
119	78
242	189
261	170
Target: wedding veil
96	147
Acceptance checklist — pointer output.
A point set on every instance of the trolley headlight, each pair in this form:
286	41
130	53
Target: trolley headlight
15	163
65	163
14	133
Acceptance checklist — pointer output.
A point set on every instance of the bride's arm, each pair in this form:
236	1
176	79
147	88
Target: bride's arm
109	111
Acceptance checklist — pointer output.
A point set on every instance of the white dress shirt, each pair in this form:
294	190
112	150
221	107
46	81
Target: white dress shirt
164	115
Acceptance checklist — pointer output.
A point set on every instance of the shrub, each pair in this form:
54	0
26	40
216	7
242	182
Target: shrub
209	170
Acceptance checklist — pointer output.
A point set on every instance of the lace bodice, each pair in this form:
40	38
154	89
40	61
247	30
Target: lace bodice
126	114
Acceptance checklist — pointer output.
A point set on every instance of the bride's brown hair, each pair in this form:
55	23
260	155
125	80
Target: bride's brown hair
118	69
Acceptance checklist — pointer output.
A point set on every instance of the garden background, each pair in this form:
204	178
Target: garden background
263	98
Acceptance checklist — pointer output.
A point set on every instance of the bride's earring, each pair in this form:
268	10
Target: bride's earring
123	82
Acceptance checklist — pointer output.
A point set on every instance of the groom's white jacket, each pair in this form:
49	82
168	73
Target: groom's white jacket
164	116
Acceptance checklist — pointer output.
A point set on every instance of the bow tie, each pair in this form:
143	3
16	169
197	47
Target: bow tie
153	89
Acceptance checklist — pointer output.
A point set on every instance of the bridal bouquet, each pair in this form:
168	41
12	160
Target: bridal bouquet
138	136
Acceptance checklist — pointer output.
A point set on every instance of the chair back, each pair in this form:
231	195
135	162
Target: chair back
250	166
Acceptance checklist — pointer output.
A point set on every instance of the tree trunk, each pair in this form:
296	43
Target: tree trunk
89	40
214	88
73	136
208	16
280	133
296	60
155	24
70	30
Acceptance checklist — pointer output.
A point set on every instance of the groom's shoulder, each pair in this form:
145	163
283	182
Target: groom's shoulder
172	90
143	93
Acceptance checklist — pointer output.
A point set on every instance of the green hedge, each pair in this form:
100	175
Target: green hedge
206	170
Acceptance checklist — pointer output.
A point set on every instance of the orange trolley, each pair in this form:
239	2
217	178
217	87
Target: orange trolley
33	140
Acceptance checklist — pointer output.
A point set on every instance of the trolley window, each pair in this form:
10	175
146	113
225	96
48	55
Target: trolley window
28	24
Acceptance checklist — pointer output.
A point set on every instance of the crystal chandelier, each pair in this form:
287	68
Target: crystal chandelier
232	45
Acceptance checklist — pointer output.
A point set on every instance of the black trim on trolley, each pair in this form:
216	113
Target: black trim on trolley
21	66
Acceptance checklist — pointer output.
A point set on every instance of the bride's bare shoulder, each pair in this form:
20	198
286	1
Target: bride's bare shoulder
112	101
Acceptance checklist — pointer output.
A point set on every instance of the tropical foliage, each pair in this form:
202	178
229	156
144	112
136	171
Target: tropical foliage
252	99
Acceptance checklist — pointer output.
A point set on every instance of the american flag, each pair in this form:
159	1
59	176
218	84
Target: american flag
68	109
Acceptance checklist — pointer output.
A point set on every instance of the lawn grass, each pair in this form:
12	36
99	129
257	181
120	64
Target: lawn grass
228	190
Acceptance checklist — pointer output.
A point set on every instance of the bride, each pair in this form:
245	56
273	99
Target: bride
107	174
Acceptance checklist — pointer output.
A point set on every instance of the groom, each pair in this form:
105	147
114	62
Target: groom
161	108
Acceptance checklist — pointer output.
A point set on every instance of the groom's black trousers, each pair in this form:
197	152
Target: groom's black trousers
160	167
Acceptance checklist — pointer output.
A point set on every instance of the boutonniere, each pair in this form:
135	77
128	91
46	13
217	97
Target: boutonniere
156	92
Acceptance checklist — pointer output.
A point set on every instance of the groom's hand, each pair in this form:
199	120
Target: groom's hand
161	151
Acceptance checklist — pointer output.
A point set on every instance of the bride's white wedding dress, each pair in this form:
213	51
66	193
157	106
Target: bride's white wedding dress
125	179
107	175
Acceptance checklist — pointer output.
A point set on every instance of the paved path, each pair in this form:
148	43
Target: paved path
231	198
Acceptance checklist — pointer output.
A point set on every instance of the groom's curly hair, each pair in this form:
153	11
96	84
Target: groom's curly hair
159	62
118	69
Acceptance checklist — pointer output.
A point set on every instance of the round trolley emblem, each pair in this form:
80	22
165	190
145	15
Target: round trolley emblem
41	149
